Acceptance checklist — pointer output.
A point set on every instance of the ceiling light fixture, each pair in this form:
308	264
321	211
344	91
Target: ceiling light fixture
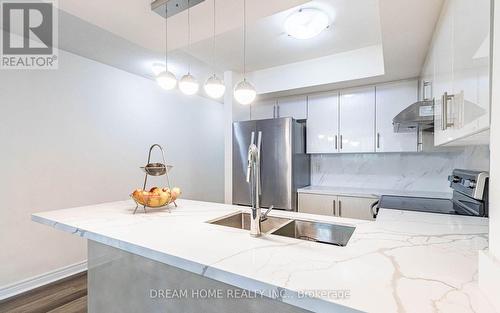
188	83
306	23
244	92
214	86
165	78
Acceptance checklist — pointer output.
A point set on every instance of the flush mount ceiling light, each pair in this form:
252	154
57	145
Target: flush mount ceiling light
306	23
244	92
188	83
214	86
165	78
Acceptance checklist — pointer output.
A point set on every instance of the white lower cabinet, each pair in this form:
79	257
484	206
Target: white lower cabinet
355	207
341	206
317	204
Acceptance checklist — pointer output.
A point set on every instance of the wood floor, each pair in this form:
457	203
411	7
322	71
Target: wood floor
65	296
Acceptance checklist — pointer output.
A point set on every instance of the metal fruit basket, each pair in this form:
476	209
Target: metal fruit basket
155	169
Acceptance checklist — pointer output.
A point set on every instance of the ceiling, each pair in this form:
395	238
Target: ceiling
134	20
128	35
354	24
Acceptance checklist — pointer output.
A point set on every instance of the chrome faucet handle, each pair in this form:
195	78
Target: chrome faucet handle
250	157
249	167
264	216
259	145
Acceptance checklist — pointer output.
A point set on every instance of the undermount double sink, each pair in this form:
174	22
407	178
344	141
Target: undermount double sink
320	232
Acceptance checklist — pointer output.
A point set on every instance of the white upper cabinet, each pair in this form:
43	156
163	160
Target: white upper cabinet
391	99
263	109
295	107
357	120
460	54
322	123
471	60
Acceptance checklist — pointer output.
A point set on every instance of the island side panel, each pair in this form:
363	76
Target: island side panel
123	282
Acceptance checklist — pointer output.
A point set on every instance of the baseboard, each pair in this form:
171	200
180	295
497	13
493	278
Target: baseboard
40	280
489	277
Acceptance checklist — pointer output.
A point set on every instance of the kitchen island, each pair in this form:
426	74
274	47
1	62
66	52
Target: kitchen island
402	262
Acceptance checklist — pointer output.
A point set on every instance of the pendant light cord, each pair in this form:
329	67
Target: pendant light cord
166	37
244	39
214	50
189	35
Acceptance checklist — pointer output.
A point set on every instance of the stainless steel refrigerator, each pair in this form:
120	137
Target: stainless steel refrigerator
285	166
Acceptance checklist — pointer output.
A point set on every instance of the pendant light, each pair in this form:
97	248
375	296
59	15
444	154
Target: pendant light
166	79
244	92
214	86
188	84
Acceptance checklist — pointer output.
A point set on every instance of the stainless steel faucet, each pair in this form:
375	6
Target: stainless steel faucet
253	178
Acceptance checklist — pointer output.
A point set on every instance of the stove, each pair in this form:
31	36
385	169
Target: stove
470	197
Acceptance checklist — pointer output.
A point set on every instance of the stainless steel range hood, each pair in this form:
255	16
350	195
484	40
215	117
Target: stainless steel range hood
419	116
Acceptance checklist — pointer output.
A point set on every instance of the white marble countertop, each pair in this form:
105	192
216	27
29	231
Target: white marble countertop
403	262
372	192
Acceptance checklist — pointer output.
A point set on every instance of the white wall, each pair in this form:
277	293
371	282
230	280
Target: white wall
400	171
357	64
495	143
77	136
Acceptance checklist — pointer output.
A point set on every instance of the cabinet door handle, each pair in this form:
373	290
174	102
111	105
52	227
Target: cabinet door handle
334	207
340	208
443	111
425	86
378	140
336	143
444	108
341	146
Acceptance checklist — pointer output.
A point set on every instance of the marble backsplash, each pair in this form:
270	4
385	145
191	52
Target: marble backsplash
402	171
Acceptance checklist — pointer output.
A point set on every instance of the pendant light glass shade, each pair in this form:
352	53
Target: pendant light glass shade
244	92
166	80
214	87
157	68
188	85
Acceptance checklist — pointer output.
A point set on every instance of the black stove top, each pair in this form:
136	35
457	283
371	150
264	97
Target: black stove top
470	197
457	206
